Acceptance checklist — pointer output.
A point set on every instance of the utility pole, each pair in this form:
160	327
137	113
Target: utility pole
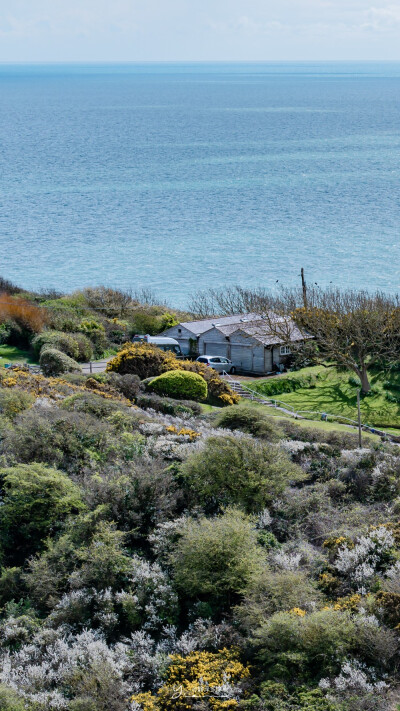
359	419
304	287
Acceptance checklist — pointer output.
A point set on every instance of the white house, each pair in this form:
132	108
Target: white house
244	338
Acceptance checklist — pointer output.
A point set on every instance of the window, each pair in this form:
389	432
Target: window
202	360
285	350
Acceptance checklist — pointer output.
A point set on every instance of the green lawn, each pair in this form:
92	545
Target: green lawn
335	395
12	354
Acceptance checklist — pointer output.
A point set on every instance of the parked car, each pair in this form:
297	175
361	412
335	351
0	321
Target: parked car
219	363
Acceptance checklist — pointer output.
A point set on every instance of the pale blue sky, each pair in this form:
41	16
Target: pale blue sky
167	30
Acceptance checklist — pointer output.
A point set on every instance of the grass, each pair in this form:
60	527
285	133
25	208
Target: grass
12	354
313	424
334	394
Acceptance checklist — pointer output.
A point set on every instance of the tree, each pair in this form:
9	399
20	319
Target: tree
354	330
351	329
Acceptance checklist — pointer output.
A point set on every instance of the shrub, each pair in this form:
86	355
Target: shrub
96	333
74	345
167	406
180	384
90	402
10	701
26	316
309	645
14	401
63	439
219	392
54	362
251	420
36	499
276	591
143	360
56	339
216	558
202	675
239	471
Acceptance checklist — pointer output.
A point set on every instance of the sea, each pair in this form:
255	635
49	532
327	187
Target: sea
180	177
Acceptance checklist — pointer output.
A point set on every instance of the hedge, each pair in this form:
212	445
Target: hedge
54	362
180	384
74	345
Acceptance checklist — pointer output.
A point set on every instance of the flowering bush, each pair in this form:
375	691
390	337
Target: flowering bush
215	678
142	359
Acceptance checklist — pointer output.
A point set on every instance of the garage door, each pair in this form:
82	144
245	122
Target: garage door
216	349
242	357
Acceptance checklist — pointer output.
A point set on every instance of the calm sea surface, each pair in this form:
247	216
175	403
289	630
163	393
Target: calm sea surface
184	176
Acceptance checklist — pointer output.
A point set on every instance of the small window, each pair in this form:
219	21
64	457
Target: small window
179	330
215	360
202	360
285	350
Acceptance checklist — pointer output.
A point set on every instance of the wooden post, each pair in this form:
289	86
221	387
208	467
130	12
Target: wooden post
90	366
359	419
304	287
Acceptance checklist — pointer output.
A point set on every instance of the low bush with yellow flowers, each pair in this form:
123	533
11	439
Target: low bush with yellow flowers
217	679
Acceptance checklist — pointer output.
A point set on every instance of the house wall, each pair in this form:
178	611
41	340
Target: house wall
182	335
213	342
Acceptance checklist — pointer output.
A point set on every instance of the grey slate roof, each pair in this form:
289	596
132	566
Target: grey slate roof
199	327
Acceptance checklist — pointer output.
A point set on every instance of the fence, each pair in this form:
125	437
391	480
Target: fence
238	386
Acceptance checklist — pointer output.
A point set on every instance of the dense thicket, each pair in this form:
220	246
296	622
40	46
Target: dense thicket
157	558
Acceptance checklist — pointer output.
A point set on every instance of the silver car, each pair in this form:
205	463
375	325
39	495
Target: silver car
219	363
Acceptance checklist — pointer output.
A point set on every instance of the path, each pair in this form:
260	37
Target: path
97	366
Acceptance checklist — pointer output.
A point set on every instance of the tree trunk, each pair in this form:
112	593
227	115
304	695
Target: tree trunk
365	386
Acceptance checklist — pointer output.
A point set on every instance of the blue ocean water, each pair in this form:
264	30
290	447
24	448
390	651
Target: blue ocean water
178	177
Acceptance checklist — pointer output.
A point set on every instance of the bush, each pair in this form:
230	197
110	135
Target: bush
14	401
74	345
26	316
56	339
91	403
219	392
143	360
36	499
167	406
216	558
243	472
251	420
180	384
63	439
10	701
54	362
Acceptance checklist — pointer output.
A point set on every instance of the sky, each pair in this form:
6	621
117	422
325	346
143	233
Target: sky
198	30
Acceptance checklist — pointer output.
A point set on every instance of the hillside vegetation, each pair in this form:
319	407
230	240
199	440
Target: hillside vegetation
156	558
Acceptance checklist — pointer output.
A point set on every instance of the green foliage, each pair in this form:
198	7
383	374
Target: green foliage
216	559
54	362
180	384
286	384
35	501
14	401
74	345
90	402
312	646
68	440
251	420
238	471
10	701
168	406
